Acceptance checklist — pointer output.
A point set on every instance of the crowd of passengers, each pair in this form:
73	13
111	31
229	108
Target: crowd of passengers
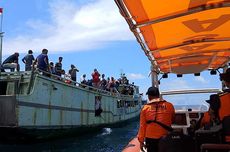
56	71
109	84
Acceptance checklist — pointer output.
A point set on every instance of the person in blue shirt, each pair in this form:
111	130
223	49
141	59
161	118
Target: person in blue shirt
28	60
42	61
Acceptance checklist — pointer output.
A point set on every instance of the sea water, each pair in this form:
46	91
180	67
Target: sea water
107	140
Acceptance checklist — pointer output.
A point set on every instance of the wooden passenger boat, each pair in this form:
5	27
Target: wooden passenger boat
35	106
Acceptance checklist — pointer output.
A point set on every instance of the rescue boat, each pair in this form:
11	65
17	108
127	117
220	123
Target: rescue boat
182	37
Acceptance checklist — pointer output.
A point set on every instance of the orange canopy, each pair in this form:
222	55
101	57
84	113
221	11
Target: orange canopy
181	36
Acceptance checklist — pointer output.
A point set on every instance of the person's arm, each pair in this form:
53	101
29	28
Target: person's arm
142	128
46	59
23	60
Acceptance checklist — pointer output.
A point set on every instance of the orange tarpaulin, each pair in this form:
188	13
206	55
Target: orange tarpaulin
181	36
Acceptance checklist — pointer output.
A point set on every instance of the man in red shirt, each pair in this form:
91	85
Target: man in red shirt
96	78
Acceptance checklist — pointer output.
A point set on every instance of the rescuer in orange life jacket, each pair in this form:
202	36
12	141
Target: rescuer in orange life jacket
211	117
155	120
224	111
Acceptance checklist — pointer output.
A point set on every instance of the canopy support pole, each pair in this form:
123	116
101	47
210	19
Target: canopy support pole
154	76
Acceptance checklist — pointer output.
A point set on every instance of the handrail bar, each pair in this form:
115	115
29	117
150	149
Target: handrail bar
190	91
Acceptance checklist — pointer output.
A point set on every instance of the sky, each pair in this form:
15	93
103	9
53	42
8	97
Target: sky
89	34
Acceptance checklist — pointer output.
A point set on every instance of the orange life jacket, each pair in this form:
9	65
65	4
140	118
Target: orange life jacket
205	120
164	113
224	105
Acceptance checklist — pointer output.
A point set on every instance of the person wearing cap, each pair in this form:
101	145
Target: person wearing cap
225	77
11	62
211	117
225	96
224	111
155	120
28	60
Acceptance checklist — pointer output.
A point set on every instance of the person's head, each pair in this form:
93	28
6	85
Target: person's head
44	51
103	75
17	54
84	75
60	59
51	63
226	77
153	92
95	70
214	102
72	66
30	52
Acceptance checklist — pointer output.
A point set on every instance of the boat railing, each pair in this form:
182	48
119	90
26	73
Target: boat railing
67	80
15	74
30	75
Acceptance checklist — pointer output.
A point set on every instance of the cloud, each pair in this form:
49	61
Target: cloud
201	79
135	76
74	27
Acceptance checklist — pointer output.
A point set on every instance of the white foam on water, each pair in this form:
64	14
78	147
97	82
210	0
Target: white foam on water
106	131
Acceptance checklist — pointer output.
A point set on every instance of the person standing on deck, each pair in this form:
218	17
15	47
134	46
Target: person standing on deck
155	120
11	62
96	78
42	61
73	72
103	82
28	60
58	67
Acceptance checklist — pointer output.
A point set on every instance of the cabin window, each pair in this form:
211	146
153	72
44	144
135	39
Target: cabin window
180	119
7	88
122	103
